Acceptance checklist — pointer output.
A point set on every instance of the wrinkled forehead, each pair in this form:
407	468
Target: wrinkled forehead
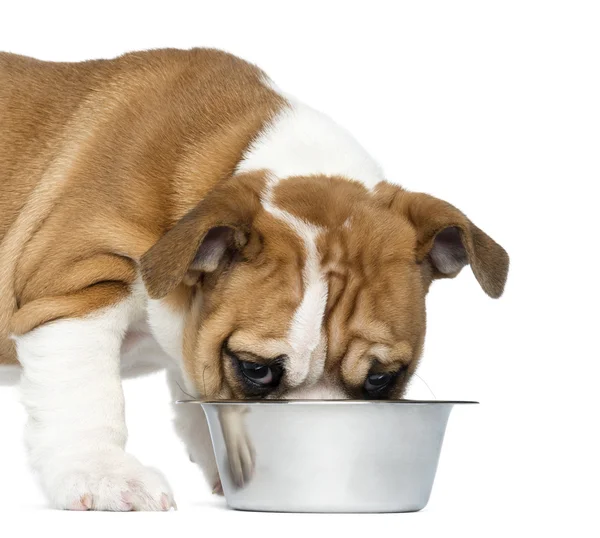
299	334
333	284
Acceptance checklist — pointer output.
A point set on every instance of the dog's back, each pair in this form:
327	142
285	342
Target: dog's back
36	100
108	141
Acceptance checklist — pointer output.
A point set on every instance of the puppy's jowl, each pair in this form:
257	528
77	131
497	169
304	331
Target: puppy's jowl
174	209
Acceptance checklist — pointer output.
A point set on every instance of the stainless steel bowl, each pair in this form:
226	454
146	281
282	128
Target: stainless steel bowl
327	456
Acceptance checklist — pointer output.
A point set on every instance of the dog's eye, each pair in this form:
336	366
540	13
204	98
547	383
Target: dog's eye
258	378
261	373
379	384
377	381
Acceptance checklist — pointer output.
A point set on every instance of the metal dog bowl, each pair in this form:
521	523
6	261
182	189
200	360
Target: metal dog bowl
327	456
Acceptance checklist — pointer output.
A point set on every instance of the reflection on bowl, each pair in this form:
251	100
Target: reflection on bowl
327	456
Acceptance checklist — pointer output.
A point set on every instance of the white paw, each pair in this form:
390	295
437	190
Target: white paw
241	460
240	451
116	483
217	487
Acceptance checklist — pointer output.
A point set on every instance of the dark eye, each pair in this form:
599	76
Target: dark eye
378	385
258	378
260	373
376	382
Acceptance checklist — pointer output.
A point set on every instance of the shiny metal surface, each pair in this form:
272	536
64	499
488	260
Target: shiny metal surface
327	456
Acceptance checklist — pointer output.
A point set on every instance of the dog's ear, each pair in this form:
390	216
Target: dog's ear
201	240
447	239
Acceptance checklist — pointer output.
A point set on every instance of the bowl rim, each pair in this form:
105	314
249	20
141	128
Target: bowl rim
328	402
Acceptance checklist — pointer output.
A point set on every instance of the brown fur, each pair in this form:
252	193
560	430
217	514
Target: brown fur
99	158
430	216
112	167
369	245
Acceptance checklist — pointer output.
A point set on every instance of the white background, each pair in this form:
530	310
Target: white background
493	106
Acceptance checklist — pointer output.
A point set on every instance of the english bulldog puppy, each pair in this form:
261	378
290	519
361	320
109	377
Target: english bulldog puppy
174	209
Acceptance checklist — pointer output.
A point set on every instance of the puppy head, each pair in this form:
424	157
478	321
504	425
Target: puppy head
311	287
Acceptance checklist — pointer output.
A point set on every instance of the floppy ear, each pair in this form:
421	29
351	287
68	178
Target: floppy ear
207	235
448	239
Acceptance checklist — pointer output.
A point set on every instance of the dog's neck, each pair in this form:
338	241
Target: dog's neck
301	141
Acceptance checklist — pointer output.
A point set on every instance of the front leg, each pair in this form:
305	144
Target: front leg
76	432
192	428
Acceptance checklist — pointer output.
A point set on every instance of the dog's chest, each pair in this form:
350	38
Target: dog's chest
140	352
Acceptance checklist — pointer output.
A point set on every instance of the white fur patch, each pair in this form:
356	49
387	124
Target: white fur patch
140	352
319	391
302	141
76	433
192	428
305	333
167	327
